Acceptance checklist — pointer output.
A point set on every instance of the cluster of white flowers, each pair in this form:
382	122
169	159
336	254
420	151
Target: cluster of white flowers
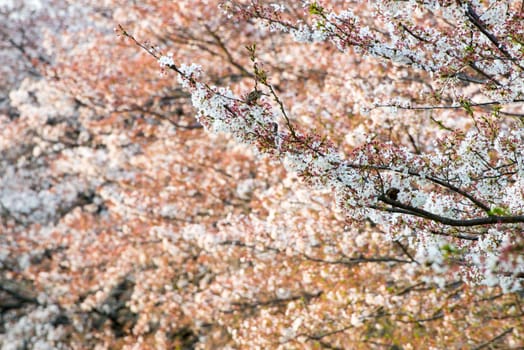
35	328
166	61
304	34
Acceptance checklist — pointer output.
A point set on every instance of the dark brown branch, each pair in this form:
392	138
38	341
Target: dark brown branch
489	220
224	49
440	182
435	317
160	116
473	66
416	36
276	301
475	19
456	235
327	334
359	260
23	298
405	251
411	288
493	340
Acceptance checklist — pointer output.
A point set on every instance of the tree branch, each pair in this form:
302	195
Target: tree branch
489	220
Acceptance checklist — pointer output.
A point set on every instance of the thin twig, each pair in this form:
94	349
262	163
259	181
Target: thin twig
493	340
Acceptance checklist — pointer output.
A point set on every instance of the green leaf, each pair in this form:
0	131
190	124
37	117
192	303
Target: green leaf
252	51
467	106
315	9
495	110
448	249
498	211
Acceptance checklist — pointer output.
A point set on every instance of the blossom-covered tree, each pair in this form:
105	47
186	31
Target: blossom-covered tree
349	175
